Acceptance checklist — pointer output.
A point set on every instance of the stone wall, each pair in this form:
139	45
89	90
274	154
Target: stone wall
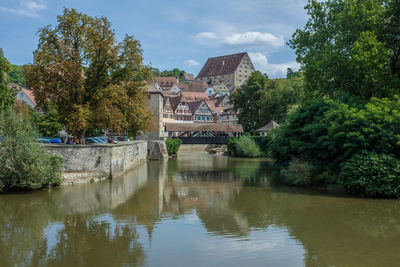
83	162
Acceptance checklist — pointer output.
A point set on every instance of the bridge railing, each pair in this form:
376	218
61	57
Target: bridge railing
218	140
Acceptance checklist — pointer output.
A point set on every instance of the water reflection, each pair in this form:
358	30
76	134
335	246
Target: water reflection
197	210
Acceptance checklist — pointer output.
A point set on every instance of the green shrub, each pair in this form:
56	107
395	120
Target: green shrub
371	175
173	145
263	142
329	132
298	172
24	164
232	143
247	147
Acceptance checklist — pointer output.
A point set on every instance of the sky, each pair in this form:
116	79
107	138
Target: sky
173	33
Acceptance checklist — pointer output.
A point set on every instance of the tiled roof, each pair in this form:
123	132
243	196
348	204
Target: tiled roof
271	125
151	88
166	82
193	106
219	99
175	100
30	95
221	65
204	127
193	96
188	77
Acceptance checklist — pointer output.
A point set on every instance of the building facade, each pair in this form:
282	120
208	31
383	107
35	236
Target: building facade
231	70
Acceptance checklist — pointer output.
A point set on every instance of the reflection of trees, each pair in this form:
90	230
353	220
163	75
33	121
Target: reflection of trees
87	242
21	226
24	217
362	232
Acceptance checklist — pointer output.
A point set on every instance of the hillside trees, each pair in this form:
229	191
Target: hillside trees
94	81
6	96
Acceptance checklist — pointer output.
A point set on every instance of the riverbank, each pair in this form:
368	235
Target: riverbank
84	163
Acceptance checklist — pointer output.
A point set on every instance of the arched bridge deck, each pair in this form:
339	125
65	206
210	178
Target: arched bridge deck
203	133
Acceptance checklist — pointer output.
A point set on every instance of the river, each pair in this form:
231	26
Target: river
197	210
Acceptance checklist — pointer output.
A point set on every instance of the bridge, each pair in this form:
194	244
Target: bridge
203	133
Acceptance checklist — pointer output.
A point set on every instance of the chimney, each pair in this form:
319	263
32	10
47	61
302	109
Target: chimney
223	62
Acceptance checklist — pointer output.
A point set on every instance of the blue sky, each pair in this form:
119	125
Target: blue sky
174	33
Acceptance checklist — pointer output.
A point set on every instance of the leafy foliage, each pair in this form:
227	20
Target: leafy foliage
247	101
246	147
17	75
348	45
94	81
168	73
371	175
24	164
173	145
329	132
297	173
47	122
6	96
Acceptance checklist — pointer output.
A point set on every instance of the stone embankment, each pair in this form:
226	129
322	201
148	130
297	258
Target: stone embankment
100	161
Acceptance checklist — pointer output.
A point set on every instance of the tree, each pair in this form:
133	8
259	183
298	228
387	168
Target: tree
47	122
280	99
247	101
78	63
24	164
6	95
341	48
173	73
16	75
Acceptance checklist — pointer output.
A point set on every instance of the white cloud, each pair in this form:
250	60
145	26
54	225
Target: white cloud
192	63
254	38
26	8
247	39
261	63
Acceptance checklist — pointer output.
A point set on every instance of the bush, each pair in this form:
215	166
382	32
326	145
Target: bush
173	145
263	142
298	172
232	143
24	164
371	175
247	147
329	132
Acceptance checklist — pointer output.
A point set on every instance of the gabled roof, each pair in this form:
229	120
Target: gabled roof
213	96
165	100
270	126
151	88
219	99
166	82
175	100
30	95
188	77
221	65
194	106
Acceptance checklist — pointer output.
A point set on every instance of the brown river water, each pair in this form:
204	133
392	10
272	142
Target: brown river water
197	210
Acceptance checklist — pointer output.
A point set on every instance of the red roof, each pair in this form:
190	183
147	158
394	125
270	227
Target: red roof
166	81
193	96
30	95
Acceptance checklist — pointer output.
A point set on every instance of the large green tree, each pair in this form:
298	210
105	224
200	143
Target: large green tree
248	101
345	47
76	65
6	95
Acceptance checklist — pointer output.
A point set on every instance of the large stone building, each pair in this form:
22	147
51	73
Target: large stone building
231	70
